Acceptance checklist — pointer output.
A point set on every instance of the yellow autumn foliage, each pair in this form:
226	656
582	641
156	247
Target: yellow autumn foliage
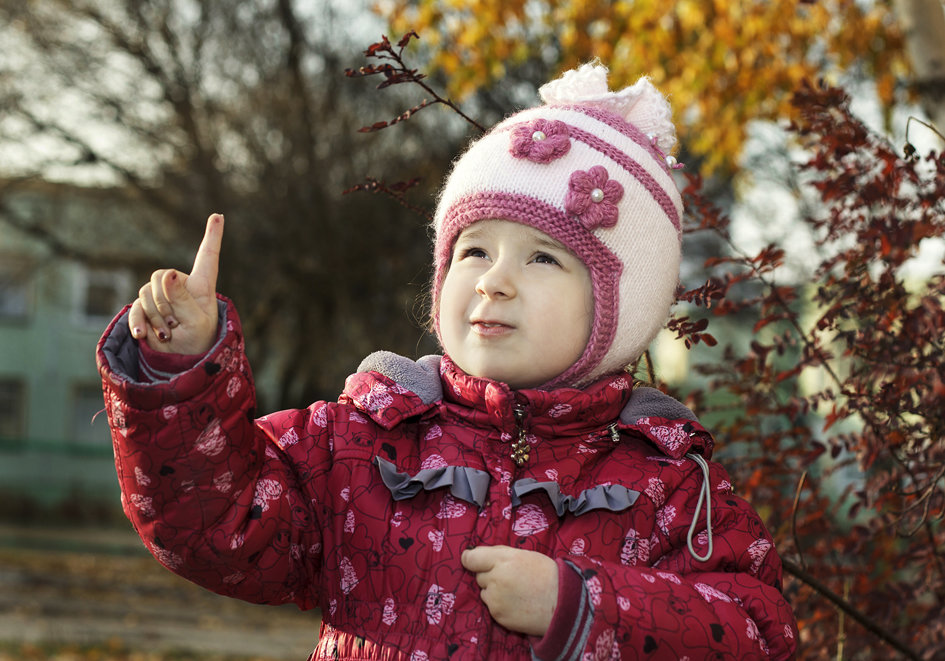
722	63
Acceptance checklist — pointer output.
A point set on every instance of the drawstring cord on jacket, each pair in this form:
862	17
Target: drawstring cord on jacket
705	495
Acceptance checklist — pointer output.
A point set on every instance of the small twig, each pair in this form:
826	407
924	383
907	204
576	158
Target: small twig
650	371
398	73
395	191
870	625
841	633
797	498
909	149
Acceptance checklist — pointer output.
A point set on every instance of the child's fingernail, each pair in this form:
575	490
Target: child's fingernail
172	322
137	332
163	336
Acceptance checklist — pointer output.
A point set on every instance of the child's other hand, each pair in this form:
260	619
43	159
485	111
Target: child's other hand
519	587
176	312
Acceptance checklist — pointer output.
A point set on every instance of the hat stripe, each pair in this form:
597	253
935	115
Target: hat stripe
634	168
620	125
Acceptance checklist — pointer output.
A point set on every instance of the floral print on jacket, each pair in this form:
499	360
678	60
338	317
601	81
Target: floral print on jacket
363	506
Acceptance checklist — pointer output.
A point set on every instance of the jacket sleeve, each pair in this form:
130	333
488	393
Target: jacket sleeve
660	602
215	495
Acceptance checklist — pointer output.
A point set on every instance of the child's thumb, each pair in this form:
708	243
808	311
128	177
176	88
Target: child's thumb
477	559
175	288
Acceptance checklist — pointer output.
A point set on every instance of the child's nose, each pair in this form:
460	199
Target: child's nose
496	282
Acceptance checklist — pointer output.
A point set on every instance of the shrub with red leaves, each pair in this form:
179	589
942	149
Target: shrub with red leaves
837	406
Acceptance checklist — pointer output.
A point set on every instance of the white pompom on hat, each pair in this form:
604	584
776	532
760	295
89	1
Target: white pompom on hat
590	168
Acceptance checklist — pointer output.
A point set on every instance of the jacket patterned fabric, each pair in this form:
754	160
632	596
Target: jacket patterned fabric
363	506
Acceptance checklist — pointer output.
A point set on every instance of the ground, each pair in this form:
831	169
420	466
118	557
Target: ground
82	594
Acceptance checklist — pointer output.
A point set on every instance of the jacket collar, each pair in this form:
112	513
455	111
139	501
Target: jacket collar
390	388
563	411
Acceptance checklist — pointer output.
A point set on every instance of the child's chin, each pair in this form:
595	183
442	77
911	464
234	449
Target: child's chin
493	374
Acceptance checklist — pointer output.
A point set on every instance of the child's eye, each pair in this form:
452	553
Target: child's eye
472	252
545	258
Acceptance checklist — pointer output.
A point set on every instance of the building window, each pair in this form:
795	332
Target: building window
12	409
102	293
89	424
14	288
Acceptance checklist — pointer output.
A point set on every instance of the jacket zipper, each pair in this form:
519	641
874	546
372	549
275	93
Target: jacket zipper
520	448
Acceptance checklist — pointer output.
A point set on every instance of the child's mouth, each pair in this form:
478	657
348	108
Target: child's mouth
491	327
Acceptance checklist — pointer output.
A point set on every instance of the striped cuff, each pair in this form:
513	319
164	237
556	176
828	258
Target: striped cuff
154	366
570	625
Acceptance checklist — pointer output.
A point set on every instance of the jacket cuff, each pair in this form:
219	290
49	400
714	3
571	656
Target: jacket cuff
119	363
571	623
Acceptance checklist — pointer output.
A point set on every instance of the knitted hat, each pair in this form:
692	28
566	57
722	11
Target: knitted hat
590	169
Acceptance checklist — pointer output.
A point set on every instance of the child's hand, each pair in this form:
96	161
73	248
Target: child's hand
519	587
176	312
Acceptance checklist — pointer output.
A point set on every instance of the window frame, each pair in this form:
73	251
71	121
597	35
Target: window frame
21	271
88	277
22	412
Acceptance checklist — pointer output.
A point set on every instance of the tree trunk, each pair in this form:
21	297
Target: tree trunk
923	26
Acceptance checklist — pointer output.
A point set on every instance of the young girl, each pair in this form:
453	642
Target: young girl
515	498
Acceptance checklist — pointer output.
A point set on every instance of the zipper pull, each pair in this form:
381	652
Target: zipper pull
520	448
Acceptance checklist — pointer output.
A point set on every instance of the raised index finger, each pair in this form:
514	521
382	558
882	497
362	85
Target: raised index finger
207	261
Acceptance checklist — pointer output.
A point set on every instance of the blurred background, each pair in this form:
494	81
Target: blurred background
124	123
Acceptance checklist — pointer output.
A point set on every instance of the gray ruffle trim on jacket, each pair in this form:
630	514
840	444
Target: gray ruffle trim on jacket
465	483
613	497
472	486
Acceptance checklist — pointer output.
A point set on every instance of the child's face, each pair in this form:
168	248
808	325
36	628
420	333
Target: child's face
516	305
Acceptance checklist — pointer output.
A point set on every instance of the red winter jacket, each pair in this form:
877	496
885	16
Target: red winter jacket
363	507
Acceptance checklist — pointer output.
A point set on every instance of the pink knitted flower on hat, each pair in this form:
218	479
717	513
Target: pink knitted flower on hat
593	197
540	141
